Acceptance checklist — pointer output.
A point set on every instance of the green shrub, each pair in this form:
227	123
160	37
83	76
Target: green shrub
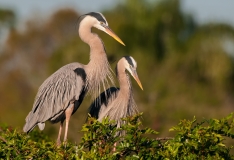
203	140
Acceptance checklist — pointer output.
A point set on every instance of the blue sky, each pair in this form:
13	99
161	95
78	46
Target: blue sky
203	10
210	10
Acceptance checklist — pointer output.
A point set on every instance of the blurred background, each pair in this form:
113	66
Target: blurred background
184	50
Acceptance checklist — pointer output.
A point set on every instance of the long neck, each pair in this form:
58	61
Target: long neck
127	105
123	105
125	94
98	69
125	84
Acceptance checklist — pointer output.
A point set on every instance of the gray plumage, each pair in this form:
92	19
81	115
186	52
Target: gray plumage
61	94
117	103
64	87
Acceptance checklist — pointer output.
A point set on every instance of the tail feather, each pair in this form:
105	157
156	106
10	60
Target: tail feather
28	127
31	122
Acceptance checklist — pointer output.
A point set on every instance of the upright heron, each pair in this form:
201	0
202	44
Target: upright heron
117	103
61	94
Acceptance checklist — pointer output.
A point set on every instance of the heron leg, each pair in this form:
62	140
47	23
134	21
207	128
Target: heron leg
114	149
60	132
68	114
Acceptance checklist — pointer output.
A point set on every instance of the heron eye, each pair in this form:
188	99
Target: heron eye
102	23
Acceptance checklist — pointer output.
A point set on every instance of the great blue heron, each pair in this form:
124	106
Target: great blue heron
117	103
61	94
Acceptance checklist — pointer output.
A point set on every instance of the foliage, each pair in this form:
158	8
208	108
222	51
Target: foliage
18	145
204	140
196	141
186	68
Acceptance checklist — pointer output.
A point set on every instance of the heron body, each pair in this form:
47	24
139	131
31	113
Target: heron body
117	103
56	94
61	94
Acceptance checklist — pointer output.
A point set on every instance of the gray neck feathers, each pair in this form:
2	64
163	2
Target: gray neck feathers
123	105
98	69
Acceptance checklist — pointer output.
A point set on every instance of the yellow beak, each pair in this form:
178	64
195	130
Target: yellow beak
135	76
112	34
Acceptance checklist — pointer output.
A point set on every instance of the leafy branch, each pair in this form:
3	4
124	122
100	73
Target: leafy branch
104	140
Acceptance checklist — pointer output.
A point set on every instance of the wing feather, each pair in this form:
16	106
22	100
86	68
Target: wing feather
101	102
55	94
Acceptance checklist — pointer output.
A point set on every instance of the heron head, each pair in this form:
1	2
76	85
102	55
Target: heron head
99	22
131	65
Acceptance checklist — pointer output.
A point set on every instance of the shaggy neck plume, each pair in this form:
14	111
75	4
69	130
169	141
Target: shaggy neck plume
98	70
123	105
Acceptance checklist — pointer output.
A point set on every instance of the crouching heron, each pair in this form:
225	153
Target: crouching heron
117	103
61	94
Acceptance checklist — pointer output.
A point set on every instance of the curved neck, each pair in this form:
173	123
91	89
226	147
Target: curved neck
123	105
95	43
124	81
97	49
98	69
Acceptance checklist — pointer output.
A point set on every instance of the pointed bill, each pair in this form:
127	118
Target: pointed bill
112	34
135	76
